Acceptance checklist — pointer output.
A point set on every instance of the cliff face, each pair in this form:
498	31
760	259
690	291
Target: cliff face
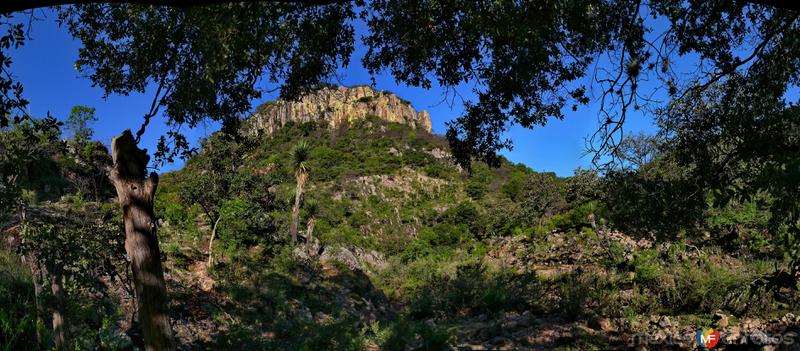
337	105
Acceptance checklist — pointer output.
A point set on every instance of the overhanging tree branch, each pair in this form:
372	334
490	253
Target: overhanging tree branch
755	54
7	7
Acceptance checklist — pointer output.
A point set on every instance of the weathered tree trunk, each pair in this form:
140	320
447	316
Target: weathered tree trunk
310	234
37	296
60	327
36	276
298	195
136	191
211	242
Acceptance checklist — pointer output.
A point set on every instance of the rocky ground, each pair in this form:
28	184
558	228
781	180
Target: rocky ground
202	308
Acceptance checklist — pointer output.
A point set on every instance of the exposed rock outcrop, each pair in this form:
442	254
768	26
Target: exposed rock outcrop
337	105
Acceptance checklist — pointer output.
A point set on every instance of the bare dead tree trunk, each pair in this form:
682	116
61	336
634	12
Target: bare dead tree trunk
60	327
211	242
136	191
302	176
310	234
37	296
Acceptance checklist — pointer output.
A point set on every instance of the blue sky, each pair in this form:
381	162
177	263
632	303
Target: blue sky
45	66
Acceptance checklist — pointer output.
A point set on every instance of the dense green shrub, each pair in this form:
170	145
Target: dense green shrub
17	317
647	267
474	289
580	216
500	217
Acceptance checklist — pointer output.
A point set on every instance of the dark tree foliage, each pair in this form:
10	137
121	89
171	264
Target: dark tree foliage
11	100
530	58
659	197
524	66
35	159
27	151
584	186
214	171
205	61
541	197
81	238
743	141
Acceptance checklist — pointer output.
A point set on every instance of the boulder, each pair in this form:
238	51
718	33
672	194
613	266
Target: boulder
720	320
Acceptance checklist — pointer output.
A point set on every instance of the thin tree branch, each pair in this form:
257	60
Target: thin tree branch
756	52
153	109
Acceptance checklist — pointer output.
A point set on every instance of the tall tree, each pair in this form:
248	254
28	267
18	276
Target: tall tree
136	191
87	162
57	240
541	197
26	149
204	63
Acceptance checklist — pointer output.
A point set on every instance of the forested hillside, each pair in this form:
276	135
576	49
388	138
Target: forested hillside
365	234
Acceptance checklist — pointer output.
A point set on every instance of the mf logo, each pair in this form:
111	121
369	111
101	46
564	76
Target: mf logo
707	338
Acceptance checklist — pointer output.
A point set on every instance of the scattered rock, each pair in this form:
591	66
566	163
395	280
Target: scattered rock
602	324
341	254
720	320
510	325
439	153
732	335
499	341
664	322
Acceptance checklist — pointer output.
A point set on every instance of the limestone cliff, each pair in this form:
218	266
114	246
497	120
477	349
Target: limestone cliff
337	105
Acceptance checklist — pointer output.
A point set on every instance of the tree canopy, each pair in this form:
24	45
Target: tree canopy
204	61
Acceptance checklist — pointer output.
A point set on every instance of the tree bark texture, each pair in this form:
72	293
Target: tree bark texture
37	296
310	234
302	176
136	192
211	242
60	326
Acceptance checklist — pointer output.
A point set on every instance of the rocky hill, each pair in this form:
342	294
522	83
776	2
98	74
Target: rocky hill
398	249
337	105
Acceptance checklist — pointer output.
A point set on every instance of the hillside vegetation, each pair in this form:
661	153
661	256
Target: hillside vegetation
399	248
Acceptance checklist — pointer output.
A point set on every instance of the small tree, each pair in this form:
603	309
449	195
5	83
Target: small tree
78	123
75	245
204	189
210	185
541	197
87	162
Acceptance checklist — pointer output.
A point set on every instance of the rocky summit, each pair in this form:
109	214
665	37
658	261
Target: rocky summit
337	105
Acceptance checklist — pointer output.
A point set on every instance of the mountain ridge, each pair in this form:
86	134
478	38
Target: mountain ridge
336	105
